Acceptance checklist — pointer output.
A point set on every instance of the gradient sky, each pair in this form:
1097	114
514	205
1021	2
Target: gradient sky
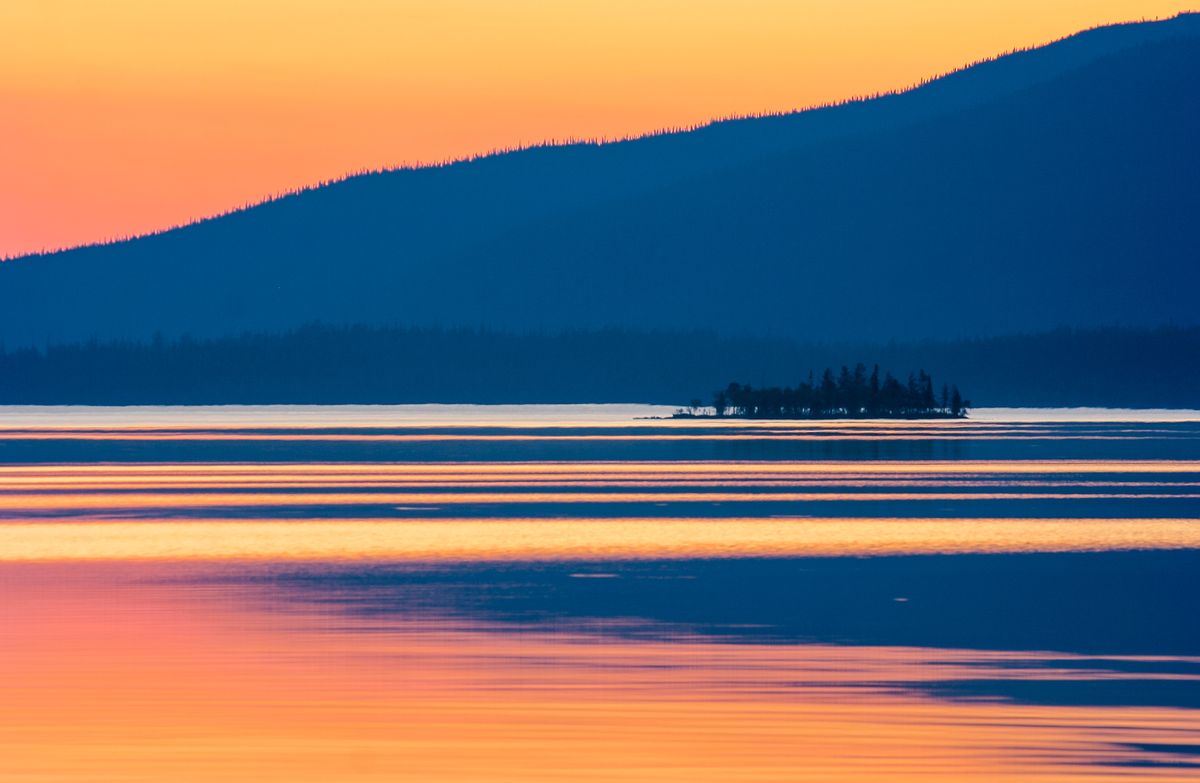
131	115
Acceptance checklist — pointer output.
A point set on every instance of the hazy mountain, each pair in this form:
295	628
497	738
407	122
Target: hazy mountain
1049	187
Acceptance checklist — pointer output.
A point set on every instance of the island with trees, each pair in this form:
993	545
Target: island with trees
850	394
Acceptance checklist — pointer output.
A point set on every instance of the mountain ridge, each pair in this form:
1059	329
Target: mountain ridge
442	227
1081	37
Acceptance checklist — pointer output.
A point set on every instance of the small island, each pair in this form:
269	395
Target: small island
851	394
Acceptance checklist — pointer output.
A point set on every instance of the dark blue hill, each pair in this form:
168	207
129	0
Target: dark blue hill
1054	186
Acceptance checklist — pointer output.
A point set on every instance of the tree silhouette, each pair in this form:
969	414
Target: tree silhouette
720	403
849	394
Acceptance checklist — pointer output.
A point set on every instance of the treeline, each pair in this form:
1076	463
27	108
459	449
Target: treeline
851	394
322	364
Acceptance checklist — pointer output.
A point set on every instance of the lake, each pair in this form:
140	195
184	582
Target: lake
543	593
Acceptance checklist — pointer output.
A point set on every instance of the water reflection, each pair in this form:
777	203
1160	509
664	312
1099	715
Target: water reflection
190	673
399	434
576	539
381	594
1129	603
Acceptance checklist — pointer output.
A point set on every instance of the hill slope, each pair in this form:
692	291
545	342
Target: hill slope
1056	186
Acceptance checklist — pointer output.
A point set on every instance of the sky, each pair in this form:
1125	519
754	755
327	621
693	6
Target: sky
129	116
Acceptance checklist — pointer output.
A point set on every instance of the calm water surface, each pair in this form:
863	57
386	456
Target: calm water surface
461	593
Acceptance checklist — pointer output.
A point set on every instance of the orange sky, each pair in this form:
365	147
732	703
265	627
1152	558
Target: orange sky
131	115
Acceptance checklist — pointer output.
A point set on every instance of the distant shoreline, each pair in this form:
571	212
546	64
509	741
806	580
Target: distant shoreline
326	365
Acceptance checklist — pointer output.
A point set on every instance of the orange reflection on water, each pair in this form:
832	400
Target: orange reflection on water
571	539
592	468
185	479
226	621
14	503
565	434
119	675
